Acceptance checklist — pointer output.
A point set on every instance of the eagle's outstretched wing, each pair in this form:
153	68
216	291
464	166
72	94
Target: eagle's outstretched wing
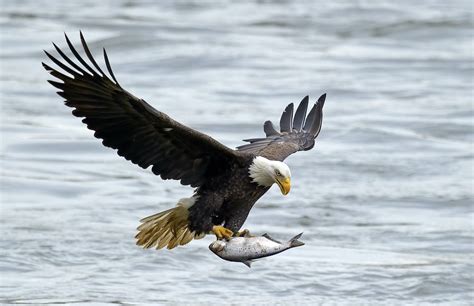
140	133
297	133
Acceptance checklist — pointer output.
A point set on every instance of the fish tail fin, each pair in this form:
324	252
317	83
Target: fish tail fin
168	228
248	263
294	242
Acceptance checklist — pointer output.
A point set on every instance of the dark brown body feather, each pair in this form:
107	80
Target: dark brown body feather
150	138
226	199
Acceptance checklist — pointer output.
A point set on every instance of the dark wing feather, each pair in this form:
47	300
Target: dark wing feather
286	121
297	134
300	114
140	133
269	129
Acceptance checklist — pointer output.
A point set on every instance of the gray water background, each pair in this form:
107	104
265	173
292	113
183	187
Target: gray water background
384	199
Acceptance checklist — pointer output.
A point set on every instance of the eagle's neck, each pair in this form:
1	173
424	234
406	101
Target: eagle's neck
261	171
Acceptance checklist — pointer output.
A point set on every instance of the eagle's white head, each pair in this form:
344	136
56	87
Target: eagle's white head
266	172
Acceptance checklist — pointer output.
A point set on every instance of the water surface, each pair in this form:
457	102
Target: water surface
384	199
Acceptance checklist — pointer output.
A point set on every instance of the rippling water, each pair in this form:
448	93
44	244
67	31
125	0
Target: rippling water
384	199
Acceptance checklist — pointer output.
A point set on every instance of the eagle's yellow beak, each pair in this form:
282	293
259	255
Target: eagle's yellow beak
284	184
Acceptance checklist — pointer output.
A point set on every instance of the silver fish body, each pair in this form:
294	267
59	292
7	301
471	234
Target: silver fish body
247	249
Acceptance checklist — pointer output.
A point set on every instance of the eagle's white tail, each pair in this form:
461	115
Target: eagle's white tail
167	228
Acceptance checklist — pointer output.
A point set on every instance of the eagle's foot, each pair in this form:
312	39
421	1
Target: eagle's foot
243	233
222	232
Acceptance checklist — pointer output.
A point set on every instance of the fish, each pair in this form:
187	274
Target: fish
249	248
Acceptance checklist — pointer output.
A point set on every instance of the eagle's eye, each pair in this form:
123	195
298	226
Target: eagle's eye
277	172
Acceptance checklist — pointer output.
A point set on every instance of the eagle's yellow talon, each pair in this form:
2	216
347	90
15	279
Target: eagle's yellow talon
222	232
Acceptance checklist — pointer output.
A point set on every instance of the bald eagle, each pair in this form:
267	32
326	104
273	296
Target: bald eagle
227	182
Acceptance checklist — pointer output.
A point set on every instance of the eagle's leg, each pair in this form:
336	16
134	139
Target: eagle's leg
243	233
222	232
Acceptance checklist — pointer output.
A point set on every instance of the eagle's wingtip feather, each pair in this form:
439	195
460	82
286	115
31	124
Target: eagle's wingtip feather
286	120
300	115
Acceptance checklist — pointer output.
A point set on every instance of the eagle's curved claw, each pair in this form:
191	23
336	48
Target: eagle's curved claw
243	233
222	232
